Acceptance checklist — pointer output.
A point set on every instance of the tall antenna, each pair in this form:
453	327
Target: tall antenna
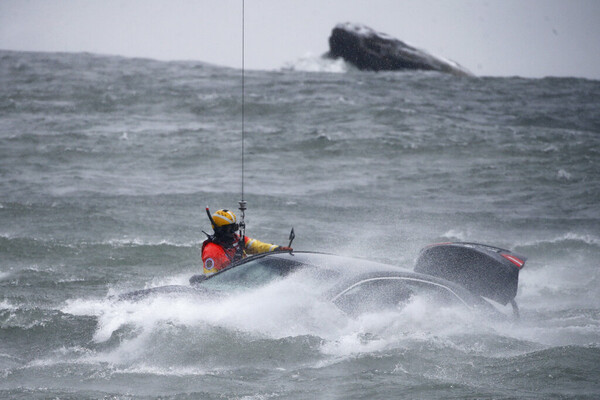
243	94
242	201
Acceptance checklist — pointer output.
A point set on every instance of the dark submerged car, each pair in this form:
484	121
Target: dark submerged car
449	273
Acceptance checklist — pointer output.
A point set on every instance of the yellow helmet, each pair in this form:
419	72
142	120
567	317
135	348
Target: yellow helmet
224	217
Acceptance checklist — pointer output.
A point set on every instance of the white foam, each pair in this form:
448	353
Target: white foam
313	63
292	308
550	148
586	238
182	279
5	305
568	236
419	320
552	332
145	242
458	235
253	312
563	175
180	371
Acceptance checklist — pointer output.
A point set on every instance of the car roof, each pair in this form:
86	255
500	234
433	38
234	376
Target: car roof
350	265
354	270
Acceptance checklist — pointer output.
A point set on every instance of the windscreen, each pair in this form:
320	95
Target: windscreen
251	274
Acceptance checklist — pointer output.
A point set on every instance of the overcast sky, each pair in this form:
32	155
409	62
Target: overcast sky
529	38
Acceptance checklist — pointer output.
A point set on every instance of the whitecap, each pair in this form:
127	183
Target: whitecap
563	175
5	305
454	234
312	63
568	236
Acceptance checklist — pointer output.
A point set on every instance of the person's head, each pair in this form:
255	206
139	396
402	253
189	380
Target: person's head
224	223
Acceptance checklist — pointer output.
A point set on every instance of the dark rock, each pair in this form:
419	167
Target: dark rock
369	50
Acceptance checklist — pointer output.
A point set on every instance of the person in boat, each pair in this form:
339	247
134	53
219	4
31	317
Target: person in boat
223	247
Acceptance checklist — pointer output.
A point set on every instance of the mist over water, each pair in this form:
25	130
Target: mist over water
107	164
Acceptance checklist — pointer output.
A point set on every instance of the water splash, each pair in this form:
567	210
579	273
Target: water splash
312	63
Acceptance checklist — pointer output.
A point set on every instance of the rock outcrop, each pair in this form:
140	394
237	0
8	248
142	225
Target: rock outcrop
369	50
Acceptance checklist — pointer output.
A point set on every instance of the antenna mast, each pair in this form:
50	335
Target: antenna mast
242	201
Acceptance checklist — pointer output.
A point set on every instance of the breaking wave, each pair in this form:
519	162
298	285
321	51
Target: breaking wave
313	63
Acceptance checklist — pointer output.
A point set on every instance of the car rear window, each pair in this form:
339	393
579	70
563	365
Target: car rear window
376	294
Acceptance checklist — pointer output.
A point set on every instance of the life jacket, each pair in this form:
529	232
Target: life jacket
217	255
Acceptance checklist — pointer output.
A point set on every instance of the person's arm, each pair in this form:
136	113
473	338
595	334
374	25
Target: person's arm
254	246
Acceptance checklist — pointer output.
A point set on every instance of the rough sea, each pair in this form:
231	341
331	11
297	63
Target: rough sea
107	165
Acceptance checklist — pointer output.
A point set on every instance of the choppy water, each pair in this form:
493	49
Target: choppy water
107	163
